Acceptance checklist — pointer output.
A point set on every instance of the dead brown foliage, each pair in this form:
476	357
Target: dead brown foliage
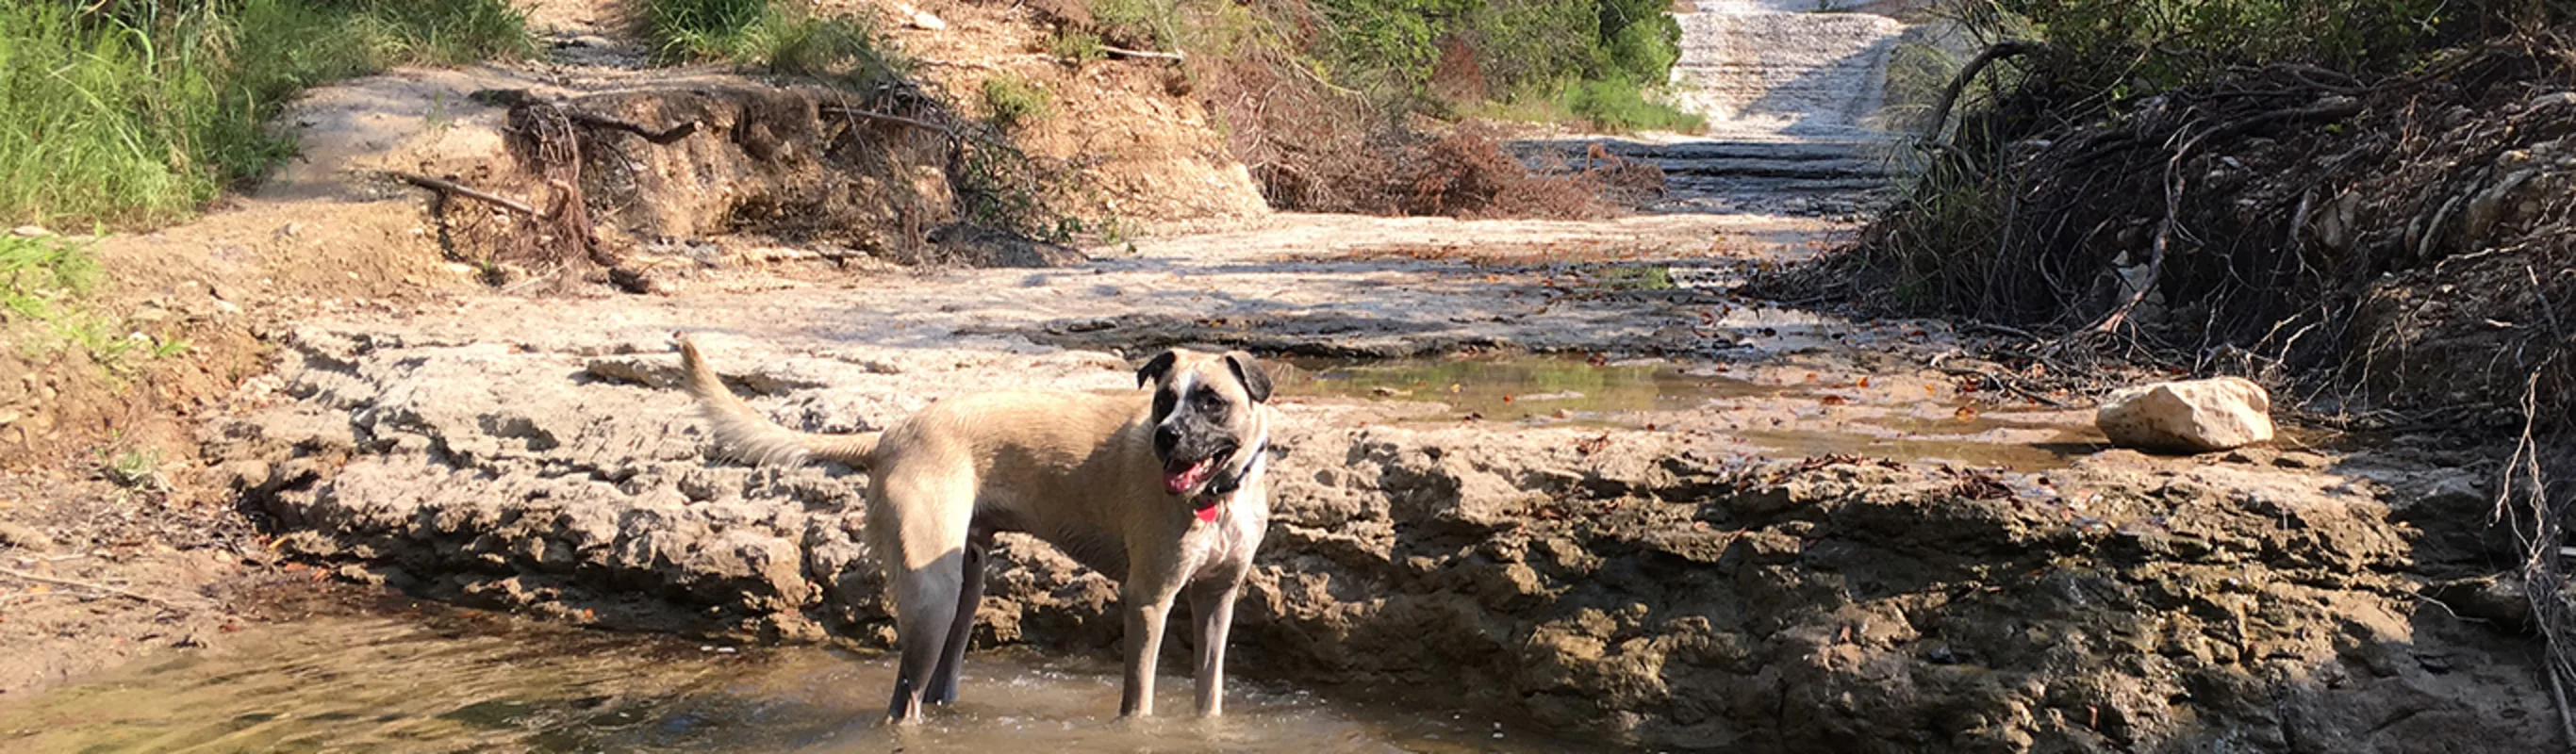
1315	147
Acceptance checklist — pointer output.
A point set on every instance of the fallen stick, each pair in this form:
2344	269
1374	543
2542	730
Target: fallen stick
885	118
69	583
1127	53
445	186
2006	384
664	136
2558	690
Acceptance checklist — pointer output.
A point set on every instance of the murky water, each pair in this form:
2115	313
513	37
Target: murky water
439	679
1769	410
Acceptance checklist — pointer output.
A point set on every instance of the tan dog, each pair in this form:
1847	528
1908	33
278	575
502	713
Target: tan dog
1162	491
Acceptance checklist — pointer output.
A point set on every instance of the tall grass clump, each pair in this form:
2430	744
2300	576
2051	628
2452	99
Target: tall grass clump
39	275
781	37
1617	105
1011	101
136	113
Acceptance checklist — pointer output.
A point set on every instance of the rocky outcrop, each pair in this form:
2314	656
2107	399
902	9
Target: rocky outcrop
1618	583
2190	416
1783	66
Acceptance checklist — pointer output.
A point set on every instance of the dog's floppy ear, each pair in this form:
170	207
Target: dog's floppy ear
1255	382
1156	370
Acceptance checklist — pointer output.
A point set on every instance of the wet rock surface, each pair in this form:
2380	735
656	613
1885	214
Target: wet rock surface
1656	587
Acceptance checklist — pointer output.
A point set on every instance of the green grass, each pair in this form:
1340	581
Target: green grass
1075	46
1631	278
1011	101
1617	105
135	468
137	114
780	37
43	281
39	276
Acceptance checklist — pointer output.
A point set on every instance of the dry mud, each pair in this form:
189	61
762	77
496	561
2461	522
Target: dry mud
1651	578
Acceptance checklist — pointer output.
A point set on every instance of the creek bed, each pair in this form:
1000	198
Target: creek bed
427	677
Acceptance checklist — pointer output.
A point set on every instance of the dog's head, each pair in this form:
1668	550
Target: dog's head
1207	421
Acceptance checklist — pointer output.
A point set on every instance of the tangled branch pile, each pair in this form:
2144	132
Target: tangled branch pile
2379	214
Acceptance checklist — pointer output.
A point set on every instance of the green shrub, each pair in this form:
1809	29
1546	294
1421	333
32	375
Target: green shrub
1576	50
781	37
1621	106
2139	47
38	274
1150	23
1075	46
138	113
1011	101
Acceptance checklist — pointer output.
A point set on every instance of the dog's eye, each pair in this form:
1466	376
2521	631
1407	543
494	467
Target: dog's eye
1206	401
1163	403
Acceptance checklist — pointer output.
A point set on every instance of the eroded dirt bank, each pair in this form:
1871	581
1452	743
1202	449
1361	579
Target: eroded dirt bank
1647	575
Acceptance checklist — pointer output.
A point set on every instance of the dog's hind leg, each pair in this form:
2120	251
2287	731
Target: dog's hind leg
924	609
970	594
919	527
1212	609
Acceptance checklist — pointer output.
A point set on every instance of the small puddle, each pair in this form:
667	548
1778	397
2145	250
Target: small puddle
445	680
1516	388
1773	410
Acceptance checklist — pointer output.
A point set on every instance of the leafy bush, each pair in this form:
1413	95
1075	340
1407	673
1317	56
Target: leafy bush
1011	101
2139	47
782	37
1620	106
136	113
1521	47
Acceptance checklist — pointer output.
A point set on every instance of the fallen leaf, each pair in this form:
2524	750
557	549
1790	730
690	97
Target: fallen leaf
1833	400
1966	413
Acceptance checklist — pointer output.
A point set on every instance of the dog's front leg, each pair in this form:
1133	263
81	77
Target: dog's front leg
1212	608
1147	608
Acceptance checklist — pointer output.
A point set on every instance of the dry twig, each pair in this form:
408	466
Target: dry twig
76	584
445	186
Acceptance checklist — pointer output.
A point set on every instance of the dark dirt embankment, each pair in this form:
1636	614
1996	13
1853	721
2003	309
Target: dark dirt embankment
1632	583
2375	223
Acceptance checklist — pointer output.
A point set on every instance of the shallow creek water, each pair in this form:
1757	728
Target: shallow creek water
1776	411
430	678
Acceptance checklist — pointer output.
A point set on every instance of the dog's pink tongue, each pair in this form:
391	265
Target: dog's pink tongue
1181	481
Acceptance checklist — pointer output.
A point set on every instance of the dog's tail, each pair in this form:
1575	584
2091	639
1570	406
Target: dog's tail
744	435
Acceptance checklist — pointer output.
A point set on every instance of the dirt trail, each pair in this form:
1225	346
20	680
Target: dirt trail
1670	587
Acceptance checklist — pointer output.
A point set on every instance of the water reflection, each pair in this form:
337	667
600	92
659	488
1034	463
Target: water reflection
436	679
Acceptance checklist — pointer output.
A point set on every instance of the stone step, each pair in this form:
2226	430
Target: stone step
1794	73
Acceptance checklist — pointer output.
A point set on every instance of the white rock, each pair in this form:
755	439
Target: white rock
2190	416
921	19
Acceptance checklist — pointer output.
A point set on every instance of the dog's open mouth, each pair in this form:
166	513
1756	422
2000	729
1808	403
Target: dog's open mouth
1179	477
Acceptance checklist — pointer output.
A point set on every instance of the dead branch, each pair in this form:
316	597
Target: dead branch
1950	96
843	110
2336	108
445	186
1127	53
2007	384
75	584
661	137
